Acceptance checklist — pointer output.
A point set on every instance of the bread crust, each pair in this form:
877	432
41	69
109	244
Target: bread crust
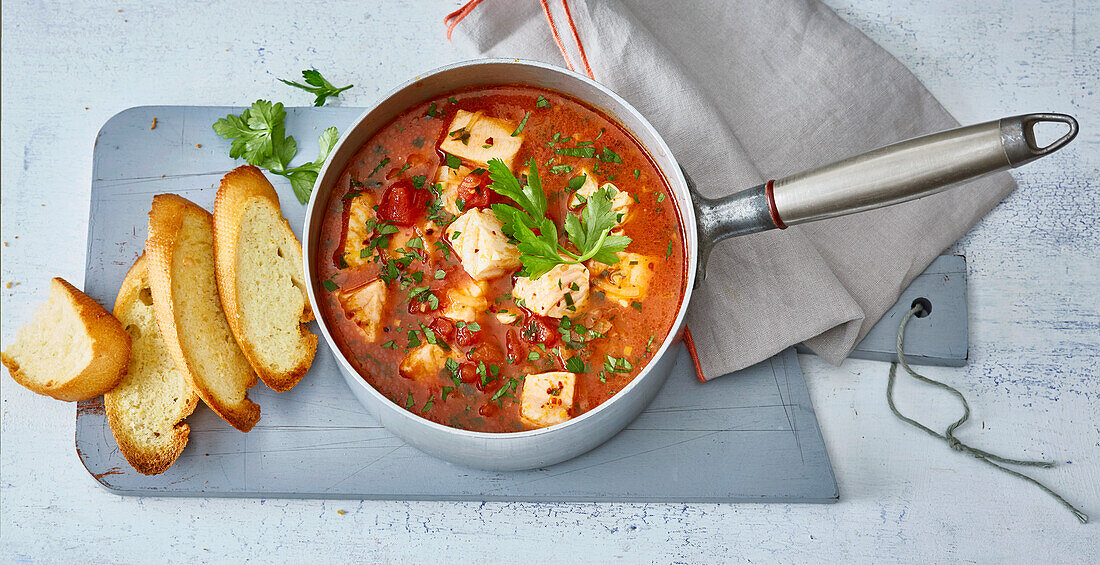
145	461
110	351
239	188
165	222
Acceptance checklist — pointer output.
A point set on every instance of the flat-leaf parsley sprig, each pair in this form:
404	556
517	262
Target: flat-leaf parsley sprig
258	136
537	236
317	85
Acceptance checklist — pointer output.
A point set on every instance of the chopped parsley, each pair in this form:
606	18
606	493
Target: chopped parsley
617	365
385	161
522	124
609	156
582	152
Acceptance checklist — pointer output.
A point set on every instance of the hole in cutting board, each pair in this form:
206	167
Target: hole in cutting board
925	304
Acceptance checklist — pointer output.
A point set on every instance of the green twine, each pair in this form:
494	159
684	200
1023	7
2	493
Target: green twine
949	437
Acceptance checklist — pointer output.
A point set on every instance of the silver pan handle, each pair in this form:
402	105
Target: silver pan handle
893	174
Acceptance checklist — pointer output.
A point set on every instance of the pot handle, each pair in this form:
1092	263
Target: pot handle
896	173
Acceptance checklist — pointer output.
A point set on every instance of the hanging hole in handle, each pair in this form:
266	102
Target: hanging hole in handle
1031	120
926	307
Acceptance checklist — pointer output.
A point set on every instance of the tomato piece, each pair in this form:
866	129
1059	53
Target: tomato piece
487	352
468	373
516	350
402	204
539	329
488	409
474	190
443	328
466	336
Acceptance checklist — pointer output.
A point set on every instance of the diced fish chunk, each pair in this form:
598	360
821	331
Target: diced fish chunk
366	306
357	236
450	179
620	199
482	247
466	303
626	281
424	362
477	138
561	291
547	398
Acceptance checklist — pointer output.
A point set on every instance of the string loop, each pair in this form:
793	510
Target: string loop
948	435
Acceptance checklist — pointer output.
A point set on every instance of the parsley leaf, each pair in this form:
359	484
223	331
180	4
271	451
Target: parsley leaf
317	85
258	135
537	235
304	176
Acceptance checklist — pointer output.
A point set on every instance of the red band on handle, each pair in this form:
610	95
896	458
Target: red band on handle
769	190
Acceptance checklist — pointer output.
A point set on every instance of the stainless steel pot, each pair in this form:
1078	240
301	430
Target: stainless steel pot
894	174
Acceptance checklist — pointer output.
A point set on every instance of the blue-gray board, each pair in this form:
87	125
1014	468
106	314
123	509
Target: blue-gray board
752	436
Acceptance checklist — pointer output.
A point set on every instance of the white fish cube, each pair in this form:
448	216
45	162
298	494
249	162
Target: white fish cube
356	235
366	306
477	138
482	247
561	291
424	362
547	398
626	281
466	303
620	199
450	179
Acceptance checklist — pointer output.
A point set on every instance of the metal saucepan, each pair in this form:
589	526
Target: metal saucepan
900	172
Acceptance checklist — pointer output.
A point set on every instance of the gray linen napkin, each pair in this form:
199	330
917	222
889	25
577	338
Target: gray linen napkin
744	91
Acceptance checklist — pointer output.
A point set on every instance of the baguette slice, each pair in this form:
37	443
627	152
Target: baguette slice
73	349
180	251
146	410
259	267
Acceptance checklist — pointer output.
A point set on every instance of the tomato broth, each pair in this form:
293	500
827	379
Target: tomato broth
428	299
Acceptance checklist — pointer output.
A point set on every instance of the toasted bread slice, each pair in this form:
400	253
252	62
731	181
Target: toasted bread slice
259	267
180	253
146	410
73	349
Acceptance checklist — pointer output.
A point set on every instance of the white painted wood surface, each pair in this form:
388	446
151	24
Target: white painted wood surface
1034	316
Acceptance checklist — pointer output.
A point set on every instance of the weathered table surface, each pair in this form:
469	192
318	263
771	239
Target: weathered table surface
1034	270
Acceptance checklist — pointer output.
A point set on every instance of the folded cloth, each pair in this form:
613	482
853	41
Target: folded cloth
745	91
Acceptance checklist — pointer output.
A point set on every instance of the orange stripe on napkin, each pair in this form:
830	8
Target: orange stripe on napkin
458	15
690	343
